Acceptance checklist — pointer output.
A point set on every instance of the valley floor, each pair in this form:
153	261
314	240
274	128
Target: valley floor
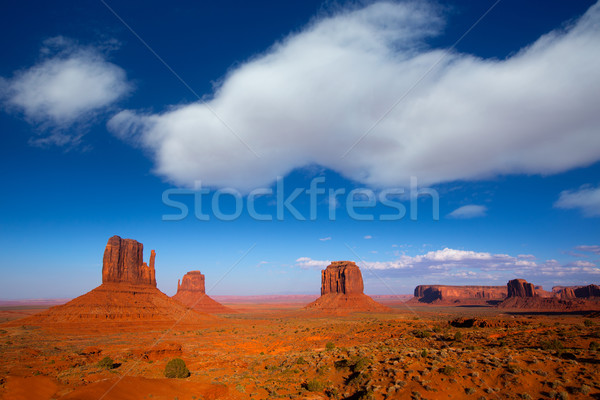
278	351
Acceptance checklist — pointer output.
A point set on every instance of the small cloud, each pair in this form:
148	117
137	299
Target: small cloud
309	263
468	211
586	199
325	239
261	263
590	249
70	85
368	237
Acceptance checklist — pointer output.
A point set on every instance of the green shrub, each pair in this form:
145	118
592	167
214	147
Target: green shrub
341	364
301	360
314	385
360	364
176	368
106	363
594	346
563	396
421	334
424	353
553	344
585	389
448	370
588	322
458	336
330	346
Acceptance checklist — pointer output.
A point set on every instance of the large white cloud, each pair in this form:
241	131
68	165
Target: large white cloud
309	98
69	85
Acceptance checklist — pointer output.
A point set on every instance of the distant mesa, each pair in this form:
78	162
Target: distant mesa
128	293
191	292
458	295
342	290
525	296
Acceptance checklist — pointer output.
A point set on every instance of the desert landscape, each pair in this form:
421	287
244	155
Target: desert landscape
116	341
309	200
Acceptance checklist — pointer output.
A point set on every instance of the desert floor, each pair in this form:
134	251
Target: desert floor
279	351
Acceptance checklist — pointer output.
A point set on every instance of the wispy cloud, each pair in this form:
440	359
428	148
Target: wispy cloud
310	97
368	237
468	211
591	249
309	263
69	85
586	199
325	239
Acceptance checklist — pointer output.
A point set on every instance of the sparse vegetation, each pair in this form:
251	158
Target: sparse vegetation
448	370
176	368
315	385
106	363
330	346
422	334
360	364
300	360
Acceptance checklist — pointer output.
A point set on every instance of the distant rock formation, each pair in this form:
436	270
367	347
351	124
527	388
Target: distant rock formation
191	292
193	281
123	262
128	293
524	296
587	292
342	290
567	293
520	288
579	292
341	277
445	294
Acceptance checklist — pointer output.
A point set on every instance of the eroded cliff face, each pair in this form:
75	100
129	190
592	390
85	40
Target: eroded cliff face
123	262
447	293
520	288
341	277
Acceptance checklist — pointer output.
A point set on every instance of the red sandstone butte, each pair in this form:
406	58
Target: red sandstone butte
128	293
124	262
520	288
342	290
191	292
446	294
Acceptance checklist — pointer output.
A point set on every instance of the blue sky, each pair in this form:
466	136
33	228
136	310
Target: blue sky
491	106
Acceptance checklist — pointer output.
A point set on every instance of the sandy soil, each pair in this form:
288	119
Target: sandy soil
276	350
